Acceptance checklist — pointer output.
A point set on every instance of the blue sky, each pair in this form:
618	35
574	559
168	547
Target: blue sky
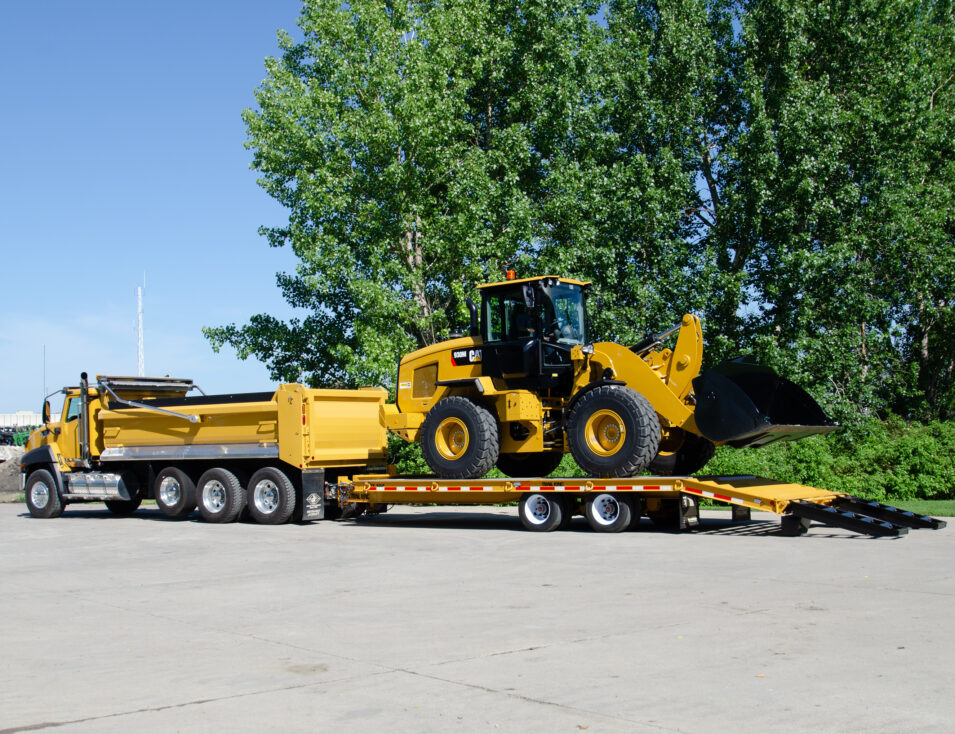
123	155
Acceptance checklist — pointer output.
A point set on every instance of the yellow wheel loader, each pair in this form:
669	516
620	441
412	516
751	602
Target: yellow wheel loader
527	385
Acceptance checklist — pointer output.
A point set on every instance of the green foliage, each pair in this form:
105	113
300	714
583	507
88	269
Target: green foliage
880	460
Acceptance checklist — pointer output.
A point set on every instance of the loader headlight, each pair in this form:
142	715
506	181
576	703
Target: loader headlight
587	349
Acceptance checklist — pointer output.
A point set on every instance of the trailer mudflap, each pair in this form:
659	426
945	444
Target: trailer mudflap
313	495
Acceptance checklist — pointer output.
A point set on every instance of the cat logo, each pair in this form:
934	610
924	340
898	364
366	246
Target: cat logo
461	357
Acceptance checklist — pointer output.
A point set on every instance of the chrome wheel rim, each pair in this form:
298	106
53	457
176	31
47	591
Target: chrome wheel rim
606	509
266	496
537	509
213	495
40	495
170	491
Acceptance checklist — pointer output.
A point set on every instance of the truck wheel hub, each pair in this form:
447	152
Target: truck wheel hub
169	491
266	496
213	496
40	495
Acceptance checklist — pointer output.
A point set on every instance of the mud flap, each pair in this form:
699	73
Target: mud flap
745	404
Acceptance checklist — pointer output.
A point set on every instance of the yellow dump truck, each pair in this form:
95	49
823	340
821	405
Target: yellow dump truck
124	439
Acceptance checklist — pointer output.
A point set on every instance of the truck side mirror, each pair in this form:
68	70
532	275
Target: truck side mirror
46	411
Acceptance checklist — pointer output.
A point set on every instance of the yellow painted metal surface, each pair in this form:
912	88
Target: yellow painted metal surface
518	281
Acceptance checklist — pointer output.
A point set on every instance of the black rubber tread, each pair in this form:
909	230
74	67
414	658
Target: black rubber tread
234	494
54	506
484	439
555	519
124	508
187	493
287	497
621	522
529	465
693	455
642	440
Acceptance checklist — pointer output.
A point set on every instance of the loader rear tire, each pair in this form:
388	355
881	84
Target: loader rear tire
460	439
613	431
529	465
688	456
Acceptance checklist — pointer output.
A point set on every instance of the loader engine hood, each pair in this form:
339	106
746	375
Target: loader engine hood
745	404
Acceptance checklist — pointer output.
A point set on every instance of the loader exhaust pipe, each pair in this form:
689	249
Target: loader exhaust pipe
745	404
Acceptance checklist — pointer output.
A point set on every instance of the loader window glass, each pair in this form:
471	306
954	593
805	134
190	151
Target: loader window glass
508	318
564	321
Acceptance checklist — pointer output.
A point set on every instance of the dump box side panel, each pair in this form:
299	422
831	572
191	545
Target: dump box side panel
219	423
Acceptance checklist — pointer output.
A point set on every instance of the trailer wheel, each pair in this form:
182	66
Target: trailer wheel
271	496
43	501
460	439
613	431
220	495
529	465
175	493
682	454
609	513
541	512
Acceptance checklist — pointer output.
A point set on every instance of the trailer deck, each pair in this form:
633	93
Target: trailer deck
671	501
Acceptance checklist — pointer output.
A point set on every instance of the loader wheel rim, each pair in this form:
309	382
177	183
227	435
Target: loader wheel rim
170	492
214	495
451	439
266	496
40	495
605	432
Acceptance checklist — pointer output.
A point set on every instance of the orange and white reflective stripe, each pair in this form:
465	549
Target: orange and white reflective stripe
721	497
431	488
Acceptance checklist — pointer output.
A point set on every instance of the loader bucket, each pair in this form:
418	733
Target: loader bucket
745	404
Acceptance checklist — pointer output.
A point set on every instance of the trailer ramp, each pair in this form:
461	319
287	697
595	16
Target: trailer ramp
800	505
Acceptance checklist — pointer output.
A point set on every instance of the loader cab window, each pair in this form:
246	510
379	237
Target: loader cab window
564	321
507	317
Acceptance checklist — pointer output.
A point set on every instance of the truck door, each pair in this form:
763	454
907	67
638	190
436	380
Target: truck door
69	439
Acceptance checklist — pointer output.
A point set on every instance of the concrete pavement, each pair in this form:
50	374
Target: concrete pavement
459	620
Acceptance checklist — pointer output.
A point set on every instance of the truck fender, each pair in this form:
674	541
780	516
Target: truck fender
42	457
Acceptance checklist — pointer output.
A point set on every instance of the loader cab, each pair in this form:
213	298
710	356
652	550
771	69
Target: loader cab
528	328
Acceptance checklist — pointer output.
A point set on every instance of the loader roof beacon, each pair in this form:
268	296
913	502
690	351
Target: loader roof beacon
524	387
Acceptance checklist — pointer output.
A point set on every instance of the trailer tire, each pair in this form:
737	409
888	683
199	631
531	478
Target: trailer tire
541	512
688	455
539	464
613	431
271	496
609	513
220	495
43	499
460	439
175	493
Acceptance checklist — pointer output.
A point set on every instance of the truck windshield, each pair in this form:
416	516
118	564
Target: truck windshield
563	314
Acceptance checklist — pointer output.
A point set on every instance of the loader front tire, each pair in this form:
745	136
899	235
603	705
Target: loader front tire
682	454
539	464
613	431
460	439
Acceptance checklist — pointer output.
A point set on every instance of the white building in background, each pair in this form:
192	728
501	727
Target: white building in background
23	418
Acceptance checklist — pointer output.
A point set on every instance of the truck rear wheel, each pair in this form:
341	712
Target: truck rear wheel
613	431
609	513
541	512
43	501
220	495
175	493
539	464
271	496
460	439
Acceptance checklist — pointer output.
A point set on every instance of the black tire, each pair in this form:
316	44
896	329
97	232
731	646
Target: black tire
175	493
529	465
460	439
609	513
542	512
689	454
43	499
219	495
613	431
271	496
125	508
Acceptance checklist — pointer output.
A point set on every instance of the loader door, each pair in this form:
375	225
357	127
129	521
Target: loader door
510	331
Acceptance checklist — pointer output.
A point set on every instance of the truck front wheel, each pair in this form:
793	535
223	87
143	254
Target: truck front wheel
460	439
43	500
175	493
271	496
221	496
